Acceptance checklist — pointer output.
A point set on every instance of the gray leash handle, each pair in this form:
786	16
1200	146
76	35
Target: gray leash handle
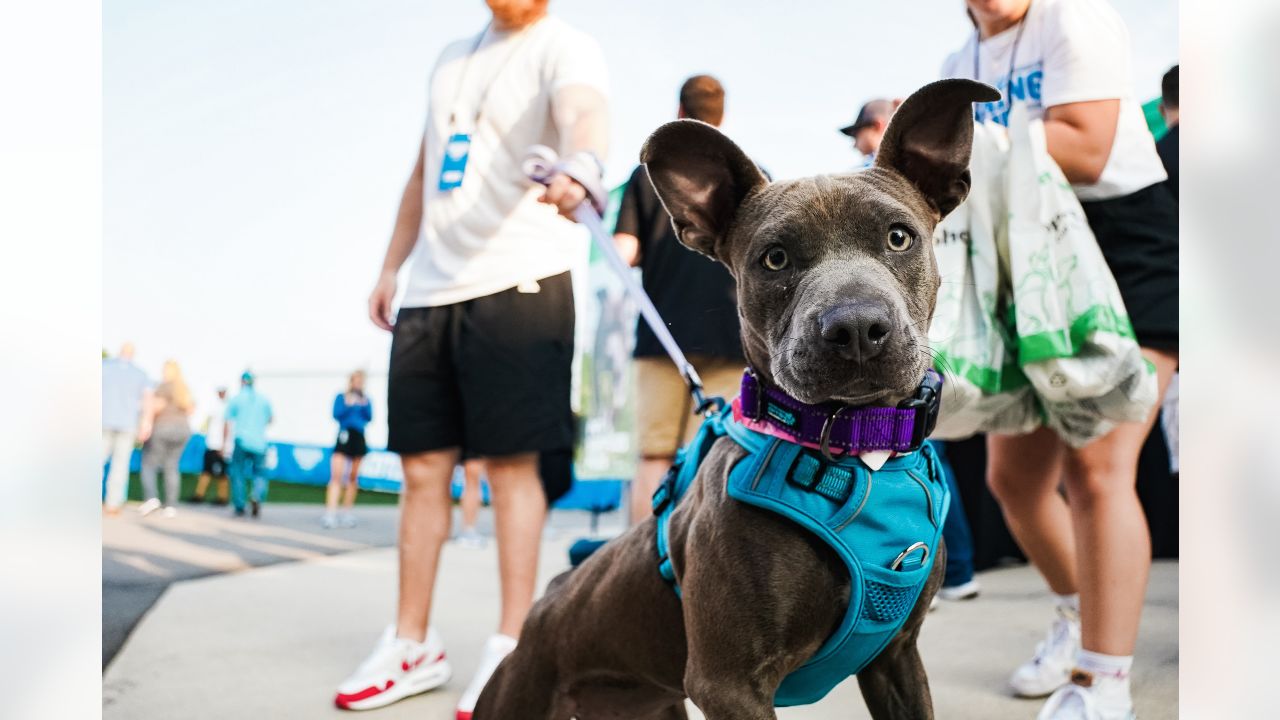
540	164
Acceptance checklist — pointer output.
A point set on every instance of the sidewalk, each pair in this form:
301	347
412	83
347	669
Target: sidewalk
273	642
141	557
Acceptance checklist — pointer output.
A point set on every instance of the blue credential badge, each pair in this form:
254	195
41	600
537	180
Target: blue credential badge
454	165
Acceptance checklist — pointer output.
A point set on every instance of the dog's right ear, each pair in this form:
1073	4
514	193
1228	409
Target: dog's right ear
702	177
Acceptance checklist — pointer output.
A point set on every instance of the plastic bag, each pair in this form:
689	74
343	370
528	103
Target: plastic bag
1074	341
985	390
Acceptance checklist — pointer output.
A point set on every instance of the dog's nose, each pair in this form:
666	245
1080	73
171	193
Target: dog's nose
857	331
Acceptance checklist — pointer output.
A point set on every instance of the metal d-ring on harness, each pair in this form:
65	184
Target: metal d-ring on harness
540	165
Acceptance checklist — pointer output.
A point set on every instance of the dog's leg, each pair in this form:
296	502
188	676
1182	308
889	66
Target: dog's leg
731	699
521	687
894	685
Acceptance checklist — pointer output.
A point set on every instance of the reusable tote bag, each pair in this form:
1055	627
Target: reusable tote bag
1074	340
984	390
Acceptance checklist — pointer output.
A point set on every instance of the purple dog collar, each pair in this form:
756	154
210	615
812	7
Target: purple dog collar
844	427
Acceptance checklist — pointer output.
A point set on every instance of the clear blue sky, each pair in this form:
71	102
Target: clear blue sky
254	153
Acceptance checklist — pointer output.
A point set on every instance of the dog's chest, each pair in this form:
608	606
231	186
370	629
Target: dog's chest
884	526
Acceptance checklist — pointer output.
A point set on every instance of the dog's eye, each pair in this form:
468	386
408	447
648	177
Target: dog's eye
775	259
900	238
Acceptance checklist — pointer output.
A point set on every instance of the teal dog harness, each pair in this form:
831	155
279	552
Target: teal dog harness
885	525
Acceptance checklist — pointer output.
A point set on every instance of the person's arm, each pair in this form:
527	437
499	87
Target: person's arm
366	409
339	404
1079	137
403	238
1086	73
581	114
146	421
229	425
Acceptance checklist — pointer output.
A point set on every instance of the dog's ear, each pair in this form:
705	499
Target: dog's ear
929	139
701	178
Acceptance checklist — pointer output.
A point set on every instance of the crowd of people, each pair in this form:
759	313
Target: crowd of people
482	339
159	417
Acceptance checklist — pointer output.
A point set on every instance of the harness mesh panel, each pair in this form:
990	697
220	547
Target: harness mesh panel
886	603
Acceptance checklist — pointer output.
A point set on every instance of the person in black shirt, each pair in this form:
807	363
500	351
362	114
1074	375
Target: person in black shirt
1167	146
695	295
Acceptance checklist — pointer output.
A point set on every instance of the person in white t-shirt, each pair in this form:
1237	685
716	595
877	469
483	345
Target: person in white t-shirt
216	450
1068	62
483	342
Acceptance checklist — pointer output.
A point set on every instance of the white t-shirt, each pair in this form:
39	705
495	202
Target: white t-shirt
491	234
215	422
1070	51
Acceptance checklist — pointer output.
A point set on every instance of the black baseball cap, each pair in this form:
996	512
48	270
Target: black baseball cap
879	109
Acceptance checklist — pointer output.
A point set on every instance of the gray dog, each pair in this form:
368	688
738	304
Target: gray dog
836	286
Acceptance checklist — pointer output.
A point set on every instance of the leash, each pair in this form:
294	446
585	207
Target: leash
540	165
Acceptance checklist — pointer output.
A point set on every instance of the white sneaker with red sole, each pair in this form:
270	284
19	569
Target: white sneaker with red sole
498	647
396	669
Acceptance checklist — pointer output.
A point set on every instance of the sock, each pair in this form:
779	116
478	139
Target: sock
1110	681
1068	601
1114	667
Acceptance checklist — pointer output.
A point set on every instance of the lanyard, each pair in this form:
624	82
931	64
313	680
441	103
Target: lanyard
1013	54
462	78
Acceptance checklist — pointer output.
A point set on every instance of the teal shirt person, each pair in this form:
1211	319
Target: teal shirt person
249	413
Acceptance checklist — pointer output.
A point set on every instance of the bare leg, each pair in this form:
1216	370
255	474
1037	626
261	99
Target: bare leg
353	485
202	486
520	509
1024	472
337	463
1112	540
648	475
424	526
472	498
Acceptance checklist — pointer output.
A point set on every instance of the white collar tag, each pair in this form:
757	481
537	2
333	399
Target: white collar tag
875	459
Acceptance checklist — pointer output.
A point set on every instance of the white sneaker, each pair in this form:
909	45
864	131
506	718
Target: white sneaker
170	511
498	647
1050	668
148	507
470	538
328	522
396	669
347	520
1080	702
964	591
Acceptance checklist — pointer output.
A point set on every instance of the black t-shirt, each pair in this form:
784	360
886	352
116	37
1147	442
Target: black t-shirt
695	295
1167	147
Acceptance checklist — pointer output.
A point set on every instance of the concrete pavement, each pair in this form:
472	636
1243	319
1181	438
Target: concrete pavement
141	556
272	642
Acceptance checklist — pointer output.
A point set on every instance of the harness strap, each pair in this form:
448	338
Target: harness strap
673	486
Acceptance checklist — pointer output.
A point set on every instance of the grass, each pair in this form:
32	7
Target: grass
282	492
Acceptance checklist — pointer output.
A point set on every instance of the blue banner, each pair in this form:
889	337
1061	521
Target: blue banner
379	471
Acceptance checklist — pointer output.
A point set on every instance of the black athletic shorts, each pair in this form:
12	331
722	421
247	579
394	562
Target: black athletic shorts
351	443
214	464
1138	234
490	376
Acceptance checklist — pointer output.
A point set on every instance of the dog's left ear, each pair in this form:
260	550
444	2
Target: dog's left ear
702	177
929	139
